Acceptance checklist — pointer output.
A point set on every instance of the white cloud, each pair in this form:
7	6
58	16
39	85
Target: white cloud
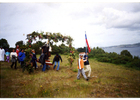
113	18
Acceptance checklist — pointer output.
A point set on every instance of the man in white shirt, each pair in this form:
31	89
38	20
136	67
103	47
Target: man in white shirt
2	52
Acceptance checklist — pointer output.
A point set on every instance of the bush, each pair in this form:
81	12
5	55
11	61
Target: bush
135	63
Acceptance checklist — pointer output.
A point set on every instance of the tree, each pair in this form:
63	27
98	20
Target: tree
81	49
126	53
4	43
20	43
55	37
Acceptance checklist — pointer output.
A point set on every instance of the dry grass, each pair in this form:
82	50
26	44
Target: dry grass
111	81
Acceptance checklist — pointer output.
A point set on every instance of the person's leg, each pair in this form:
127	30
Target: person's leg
22	62
12	64
86	69
16	64
36	64
8	58
44	67
58	65
78	75
54	65
82	70
89	73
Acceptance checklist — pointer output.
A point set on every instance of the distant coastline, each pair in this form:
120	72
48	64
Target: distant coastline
124	46
134	49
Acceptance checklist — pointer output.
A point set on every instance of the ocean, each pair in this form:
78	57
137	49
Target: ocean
135	51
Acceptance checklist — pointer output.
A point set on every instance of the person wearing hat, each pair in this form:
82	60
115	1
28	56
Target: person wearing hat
81	67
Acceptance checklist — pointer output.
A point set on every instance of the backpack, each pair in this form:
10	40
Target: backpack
13	58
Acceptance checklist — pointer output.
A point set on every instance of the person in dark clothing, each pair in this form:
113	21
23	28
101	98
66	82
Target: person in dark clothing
34	59
87	65
45	48
56	60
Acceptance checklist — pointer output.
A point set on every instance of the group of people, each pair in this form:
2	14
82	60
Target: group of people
19	56
14	56
46	49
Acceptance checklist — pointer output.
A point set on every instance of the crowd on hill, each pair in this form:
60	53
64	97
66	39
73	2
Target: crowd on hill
18	55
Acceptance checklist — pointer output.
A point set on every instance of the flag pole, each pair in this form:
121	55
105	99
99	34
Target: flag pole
85	42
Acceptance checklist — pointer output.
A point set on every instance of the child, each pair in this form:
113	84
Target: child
81	68
7	56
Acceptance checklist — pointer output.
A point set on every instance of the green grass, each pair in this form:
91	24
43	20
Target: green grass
107	81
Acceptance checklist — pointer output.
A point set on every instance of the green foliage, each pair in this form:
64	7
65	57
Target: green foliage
20	43
62	49
4	43
124	58
36	46
56	37
126	53
81	49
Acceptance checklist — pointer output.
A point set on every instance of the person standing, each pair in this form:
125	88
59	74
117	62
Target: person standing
45	55
13	56
34	59
21	57
17	51
56	60
2	53
87	65
7	56
81	68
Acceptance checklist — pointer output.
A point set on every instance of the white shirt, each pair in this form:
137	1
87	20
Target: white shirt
13	53
2	52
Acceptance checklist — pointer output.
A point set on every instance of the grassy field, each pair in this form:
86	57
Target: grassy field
107	81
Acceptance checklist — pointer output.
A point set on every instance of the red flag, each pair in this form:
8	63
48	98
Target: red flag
87	43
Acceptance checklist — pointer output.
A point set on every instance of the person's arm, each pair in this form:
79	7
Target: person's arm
11	55
79	64
16	54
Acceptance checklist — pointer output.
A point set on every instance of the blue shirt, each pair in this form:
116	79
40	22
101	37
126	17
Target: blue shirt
21	56
7	53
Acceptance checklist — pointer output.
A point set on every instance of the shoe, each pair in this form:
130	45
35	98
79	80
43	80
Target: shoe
87	79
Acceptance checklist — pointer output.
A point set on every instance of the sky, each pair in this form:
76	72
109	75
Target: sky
105	23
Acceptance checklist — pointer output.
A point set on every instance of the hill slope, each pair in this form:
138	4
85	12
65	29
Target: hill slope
107	80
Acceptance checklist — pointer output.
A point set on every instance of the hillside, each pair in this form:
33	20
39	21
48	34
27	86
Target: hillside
107	81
